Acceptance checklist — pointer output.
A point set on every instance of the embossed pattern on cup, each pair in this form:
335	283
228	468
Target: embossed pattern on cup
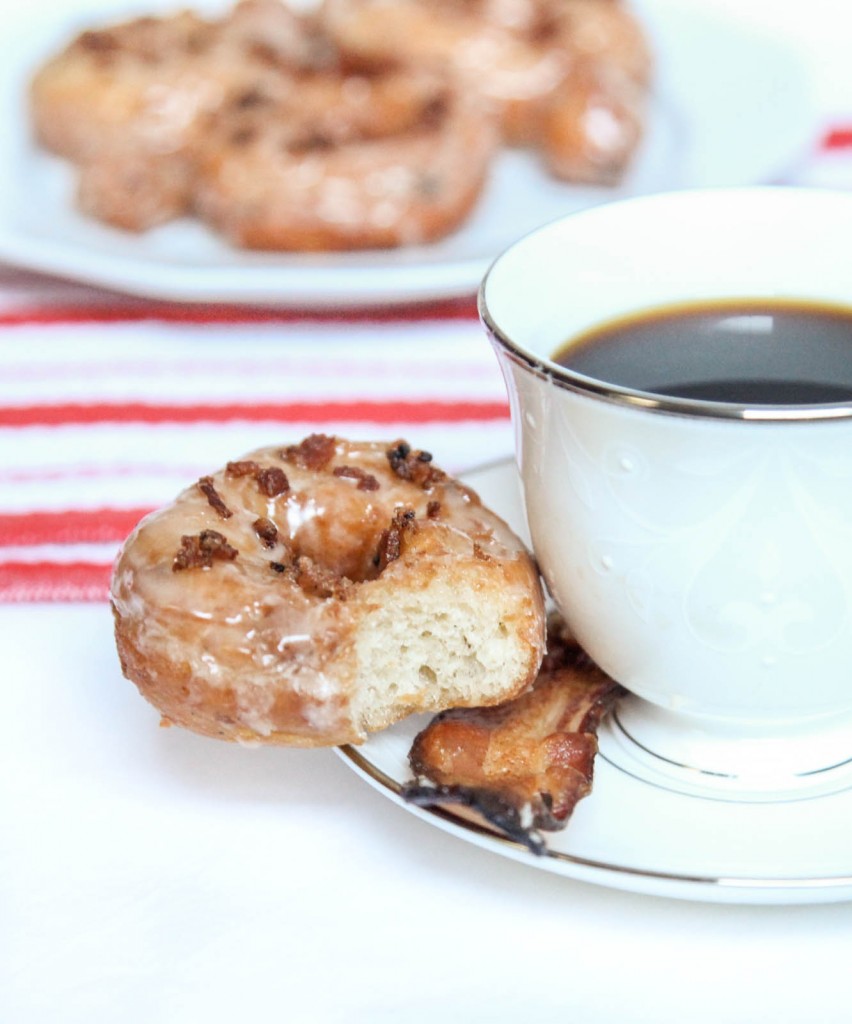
701	552
706	567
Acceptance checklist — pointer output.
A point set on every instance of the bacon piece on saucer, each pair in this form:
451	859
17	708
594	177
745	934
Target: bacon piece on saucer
523	765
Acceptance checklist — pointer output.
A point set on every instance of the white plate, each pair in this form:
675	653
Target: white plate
732	108
629	834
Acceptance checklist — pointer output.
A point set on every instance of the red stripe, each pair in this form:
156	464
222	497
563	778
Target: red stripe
91	526
252	412
838	138
451	309
49	581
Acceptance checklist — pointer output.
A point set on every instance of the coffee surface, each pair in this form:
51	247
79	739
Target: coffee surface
748	352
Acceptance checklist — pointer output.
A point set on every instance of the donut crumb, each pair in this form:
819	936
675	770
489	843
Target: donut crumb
200	551
480	553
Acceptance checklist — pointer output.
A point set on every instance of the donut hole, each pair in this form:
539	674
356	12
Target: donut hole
357	565
338	530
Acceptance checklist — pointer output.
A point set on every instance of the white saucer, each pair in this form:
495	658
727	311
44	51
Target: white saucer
631	834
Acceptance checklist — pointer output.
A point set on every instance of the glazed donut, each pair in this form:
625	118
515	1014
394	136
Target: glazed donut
121	102
569	77
111	82
345	160
312	594
253	123
128	102
591	124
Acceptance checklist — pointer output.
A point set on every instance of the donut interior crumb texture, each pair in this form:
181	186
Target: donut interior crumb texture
439	641
319	612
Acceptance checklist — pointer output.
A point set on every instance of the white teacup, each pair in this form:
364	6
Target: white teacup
701	553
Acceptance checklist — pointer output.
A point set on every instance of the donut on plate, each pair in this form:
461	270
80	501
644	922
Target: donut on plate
567	77
312	594
127	102
254	123
345	159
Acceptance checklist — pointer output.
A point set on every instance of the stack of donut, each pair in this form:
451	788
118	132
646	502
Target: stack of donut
255	124
366	123
312	594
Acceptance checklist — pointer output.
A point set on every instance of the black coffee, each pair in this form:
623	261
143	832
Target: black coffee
748	352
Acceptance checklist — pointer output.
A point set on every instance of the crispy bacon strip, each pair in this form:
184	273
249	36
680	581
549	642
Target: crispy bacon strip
524	765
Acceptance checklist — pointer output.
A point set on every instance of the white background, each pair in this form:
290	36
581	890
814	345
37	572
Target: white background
275	885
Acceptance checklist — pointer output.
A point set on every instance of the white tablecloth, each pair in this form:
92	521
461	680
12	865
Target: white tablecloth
149	875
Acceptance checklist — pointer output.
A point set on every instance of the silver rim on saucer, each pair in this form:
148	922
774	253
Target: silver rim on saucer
385	767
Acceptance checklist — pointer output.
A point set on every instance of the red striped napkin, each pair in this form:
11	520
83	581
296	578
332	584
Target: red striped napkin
108	409
109	406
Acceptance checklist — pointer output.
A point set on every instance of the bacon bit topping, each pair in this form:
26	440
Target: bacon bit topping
197	42
318	581
433	510
265	54
248	467
100	46
435	112
205	485
314	452
398	457
201	551
543	28
98	41
415	466
249	98
313	579
243	136
310	142
391	540
266	530
366	481
272	481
